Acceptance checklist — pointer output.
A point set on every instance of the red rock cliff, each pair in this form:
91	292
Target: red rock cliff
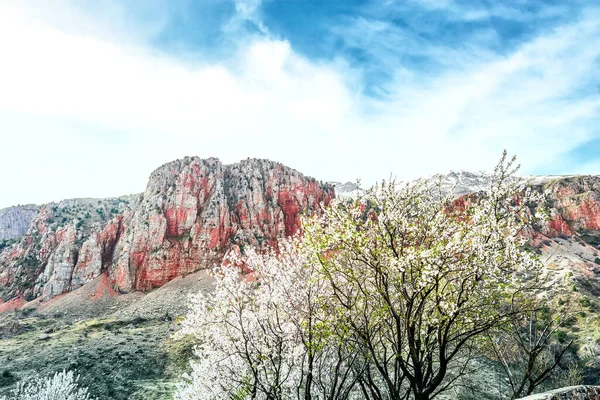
191	214
574	206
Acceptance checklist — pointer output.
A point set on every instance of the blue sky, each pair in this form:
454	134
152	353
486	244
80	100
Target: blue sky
96	95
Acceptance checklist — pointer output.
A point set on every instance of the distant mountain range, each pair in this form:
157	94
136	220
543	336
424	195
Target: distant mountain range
195	211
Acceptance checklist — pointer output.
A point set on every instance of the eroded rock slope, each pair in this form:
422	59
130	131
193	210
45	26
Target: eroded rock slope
192	213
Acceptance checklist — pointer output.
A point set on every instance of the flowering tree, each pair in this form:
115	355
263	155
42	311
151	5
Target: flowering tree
61	386
267	335
383	298
417	277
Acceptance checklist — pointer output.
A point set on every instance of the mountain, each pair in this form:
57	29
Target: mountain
573	201
90	265
346	190
193	212
14	221
464	182
570	241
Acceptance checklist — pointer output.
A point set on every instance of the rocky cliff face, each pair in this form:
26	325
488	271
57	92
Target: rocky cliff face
192	213
569	243
63	247
573	201
574	207
14	221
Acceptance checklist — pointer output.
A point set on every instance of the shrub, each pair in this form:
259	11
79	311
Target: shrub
561	336
61	386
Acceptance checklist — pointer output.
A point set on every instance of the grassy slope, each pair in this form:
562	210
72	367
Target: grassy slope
121	346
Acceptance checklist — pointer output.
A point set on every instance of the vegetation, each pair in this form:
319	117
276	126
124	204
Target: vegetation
403	293
127	358
388	297
61	386
530	349
6	243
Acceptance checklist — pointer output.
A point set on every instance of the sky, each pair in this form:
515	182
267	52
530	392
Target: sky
95	95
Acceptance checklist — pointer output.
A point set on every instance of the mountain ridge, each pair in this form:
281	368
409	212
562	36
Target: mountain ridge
196	211
193	212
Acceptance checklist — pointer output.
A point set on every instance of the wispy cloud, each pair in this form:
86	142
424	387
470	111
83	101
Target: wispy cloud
248	10
86	112
470	10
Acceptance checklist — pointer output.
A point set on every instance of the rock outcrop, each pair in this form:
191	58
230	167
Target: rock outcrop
569	242
568	393
574	204
573	201
64	247
192	213
14	221
195	211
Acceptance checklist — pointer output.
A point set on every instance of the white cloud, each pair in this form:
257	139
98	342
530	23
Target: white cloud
247	10
85	114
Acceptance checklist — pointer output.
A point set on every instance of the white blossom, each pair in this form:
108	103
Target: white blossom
61	386
266	334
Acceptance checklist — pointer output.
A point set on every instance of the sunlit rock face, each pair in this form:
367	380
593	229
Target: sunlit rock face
192	213
569	242
14	221
66	245
574	206
573	201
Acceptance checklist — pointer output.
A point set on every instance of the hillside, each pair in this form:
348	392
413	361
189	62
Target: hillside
100	285
191	214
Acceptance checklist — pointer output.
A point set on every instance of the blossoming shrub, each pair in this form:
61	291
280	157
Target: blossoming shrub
268	335
61	386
